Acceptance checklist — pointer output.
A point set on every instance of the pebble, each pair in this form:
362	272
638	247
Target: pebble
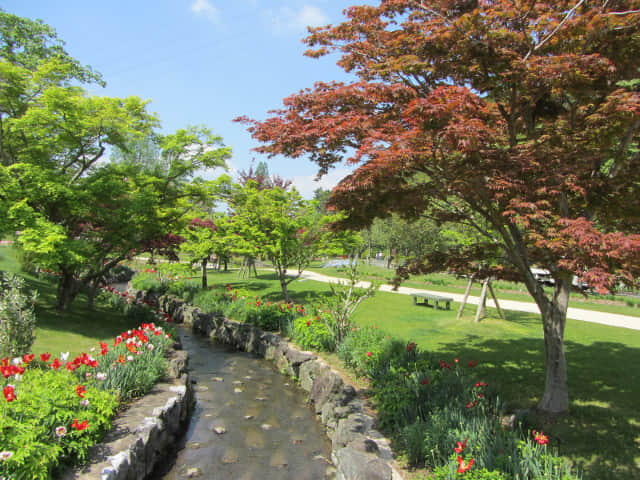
193	473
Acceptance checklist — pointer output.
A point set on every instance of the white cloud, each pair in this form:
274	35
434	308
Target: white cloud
289	20
307	184
206	9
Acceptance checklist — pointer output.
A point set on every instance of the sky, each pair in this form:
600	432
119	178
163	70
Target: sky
202	62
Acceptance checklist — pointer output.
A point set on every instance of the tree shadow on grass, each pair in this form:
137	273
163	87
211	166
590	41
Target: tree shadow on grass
599	434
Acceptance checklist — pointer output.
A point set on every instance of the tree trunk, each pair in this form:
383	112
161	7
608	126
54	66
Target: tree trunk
554	318
204	273
93	289
67	291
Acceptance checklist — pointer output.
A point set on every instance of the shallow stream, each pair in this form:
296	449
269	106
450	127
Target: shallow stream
250	421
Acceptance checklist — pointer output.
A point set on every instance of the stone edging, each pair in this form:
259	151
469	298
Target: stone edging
359	452
142	435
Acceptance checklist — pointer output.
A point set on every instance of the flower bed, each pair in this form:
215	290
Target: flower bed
54	408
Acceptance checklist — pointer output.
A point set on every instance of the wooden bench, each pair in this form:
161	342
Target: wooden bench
434	298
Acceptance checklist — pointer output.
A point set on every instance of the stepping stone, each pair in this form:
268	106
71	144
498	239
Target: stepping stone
194	445
238	390
261	399
266	426
236	382
217	379
249	417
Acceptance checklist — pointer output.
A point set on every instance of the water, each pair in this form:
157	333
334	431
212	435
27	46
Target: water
250	422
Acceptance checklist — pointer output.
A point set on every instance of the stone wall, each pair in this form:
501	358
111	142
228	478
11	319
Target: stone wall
359	452
143	435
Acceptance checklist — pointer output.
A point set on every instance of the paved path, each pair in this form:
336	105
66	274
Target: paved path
612	319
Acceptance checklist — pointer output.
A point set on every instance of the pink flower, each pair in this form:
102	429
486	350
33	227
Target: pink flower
61	431
369	354
5	455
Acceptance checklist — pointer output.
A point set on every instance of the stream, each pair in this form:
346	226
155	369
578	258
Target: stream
249	422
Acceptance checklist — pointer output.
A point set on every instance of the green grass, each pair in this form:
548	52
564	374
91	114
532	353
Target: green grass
76	331
504	290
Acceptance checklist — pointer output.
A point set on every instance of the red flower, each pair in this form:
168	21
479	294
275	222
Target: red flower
56	364
480	384
540	437
462	466
79	426
472	404
81	390
456	360
70	366
308	323
369	354
28	358
121	359
444	364
424	382
473	363
45	356
104	348
9	393
460	446
411	346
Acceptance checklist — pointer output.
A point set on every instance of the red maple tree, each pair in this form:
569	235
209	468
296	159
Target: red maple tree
518	118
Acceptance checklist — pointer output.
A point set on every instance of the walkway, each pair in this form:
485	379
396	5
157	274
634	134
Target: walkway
611	319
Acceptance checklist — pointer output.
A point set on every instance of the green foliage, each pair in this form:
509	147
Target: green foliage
343	302
17	317
132	367
311	332
363	348
46	400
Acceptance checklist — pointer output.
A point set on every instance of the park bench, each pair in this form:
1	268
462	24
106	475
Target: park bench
436	299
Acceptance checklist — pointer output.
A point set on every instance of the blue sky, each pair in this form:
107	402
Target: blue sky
201	61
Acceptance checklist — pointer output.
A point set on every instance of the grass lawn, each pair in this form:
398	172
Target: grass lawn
504	290
76	331
601	434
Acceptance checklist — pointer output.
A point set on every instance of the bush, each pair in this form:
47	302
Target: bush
37	427
135	363
311	332
17	317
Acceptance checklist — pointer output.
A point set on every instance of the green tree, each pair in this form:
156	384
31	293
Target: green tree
77	214
282	227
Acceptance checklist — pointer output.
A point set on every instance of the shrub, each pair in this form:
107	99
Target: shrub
17	317
134	363
311	332
47	404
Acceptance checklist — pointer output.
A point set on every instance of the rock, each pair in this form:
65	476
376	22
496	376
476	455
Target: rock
237	390
217	379
249	417
266	426
352	464
193	473
219	428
